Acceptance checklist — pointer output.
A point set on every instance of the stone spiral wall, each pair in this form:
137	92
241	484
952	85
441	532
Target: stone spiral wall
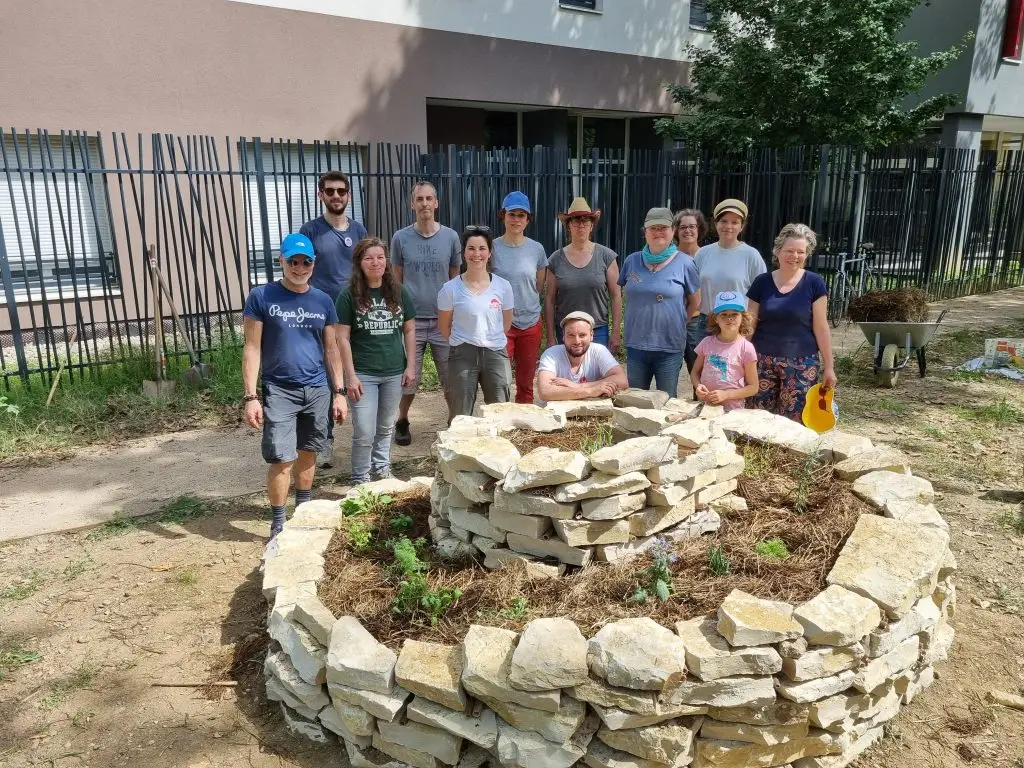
763	683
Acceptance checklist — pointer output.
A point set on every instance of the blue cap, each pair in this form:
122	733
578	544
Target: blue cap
727	300
516	201
297	245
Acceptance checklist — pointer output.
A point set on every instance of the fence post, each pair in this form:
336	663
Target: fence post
261	195
12	308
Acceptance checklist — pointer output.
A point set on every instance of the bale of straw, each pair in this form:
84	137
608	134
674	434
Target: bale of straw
902	305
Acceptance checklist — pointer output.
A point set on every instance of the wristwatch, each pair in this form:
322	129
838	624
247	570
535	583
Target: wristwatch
341	391
250	398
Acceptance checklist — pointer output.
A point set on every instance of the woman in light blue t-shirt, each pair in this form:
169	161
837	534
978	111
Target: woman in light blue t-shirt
474	312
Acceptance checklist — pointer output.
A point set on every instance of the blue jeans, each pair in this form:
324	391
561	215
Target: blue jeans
600	335
696	329
663	367
373	425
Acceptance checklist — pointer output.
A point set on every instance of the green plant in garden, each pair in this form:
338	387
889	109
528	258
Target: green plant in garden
414	592
717	561
517	610
359	534
656	579
602	439
366	503
774	548
9	408
804	482
400	523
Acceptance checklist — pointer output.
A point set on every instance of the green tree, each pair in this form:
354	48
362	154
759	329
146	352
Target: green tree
786	72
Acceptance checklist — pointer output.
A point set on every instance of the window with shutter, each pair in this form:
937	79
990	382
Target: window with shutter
698	14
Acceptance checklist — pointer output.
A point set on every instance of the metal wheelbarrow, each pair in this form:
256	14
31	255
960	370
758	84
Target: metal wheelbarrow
895	343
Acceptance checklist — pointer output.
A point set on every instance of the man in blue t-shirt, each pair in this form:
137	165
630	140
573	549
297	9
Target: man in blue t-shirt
334	236
289	327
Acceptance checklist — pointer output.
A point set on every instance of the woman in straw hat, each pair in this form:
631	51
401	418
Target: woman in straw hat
583	277
727	265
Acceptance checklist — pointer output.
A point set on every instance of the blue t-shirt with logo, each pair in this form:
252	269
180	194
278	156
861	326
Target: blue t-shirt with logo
293	333
656	302
333	247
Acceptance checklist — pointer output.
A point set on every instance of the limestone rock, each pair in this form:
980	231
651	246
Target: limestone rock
299	540
487	661
584	533
355	720
600	755
612	507
714	492
637	653
812	690
305	653
475	522
689	434
731	470
767	427
843	445
481	730
640	398
940	641
554	726
546	466
432	671
664	743
523	416
830	713
552	653
726	692
665	495
483	543
298	725
634	455
823	661
651	520
923	615
882	458
318	621
404	754
738	754
600	484
493	455
319	513
729	503
530	504
613	553
276	691
709	656
793	649
388	485
766	735
330	720
369	757
850	752
684	469
615	719
471	425
527	525
915	512
747	620
892	562
312	696
876	672
881	486
496	558
597	691
779	712
289	570
837	616
356	659
384	706
441	744
451	548
645	421
912	683
550	546
573	409
525	749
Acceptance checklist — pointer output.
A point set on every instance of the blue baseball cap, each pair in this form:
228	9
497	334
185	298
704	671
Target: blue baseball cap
516	201
297	245
727	300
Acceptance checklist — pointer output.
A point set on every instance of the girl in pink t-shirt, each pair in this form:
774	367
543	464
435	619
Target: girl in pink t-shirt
725	372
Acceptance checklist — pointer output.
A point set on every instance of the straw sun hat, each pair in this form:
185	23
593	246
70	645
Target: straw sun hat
579	208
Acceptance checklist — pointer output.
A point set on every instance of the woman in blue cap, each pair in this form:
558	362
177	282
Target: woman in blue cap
523	262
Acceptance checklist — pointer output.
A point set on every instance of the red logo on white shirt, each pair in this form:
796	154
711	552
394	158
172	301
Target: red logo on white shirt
495	304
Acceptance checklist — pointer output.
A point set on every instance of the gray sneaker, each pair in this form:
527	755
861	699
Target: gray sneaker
325	459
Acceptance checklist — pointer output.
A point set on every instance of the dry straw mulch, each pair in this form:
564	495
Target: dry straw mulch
363	585
902	305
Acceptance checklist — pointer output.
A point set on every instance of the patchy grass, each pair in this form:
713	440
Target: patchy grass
890	405
14	656
186	578
756	459
62	688
180	510
26	586
774	548
116	526
1012	519
76	568
999	414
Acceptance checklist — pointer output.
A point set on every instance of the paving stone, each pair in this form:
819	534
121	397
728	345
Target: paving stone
496	558
523	416
600	485
493	455
525	749
554	726
616	719
546	466
298	725
837	616
404	754
645	421
710	657
600	755
664	743
879	487
737	754
892	562
303	651
551	546
747	620
383	706
477	487
612	507
915	512
779	712
651	520
881	458
318	621
531	504
551	653
766	735
356	659
640	398
634	455
302	540
475	522
823	661
436	742
312	695
585	533
637	653
433	671
487	661
726	692
692	433
319	513
813	690
598	691
330	720
714	492
574	409
481	729
923	615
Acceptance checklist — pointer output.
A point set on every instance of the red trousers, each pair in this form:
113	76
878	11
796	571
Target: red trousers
524	351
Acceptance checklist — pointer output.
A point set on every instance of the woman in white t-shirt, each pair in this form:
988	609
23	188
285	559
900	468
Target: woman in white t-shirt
474	312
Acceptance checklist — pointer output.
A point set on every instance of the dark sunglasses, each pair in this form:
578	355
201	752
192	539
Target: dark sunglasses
299	262
476	229
332	191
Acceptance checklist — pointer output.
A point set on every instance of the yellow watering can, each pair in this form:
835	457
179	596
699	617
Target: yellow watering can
818	413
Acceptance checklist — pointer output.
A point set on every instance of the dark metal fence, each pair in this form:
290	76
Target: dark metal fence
78	210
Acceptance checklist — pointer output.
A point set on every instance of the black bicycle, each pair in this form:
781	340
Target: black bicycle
854	277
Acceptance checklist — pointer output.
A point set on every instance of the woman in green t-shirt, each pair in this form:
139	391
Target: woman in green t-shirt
377	337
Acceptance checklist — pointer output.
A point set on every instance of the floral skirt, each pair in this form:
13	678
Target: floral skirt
783	383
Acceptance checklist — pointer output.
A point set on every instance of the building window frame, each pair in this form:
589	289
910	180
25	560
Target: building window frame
699	15
582	6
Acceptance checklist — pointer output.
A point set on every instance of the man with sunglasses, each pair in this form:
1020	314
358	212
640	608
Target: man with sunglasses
334	236
288	329
424	256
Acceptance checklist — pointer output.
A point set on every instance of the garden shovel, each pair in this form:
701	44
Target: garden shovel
200	373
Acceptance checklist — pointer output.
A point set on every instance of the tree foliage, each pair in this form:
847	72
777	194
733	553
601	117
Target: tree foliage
785	72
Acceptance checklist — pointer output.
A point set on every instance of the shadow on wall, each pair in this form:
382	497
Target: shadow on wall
988	48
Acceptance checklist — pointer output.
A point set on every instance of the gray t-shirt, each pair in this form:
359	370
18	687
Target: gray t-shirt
519	265
726	269
425	261
582	288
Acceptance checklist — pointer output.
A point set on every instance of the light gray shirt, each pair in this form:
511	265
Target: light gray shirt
477	319
519	265
425	262
726	269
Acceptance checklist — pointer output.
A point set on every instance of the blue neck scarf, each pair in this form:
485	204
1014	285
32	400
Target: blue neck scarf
659	258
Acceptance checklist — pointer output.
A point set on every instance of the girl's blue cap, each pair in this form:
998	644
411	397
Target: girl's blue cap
727	300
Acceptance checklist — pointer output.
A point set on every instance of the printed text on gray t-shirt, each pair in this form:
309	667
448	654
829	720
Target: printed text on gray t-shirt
425	262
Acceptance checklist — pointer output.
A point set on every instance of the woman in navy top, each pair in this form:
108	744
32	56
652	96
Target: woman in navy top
791	335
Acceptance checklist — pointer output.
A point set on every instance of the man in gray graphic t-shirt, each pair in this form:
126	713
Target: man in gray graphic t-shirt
424	256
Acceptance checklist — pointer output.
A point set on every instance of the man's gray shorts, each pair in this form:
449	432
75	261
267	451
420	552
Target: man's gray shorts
294	419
